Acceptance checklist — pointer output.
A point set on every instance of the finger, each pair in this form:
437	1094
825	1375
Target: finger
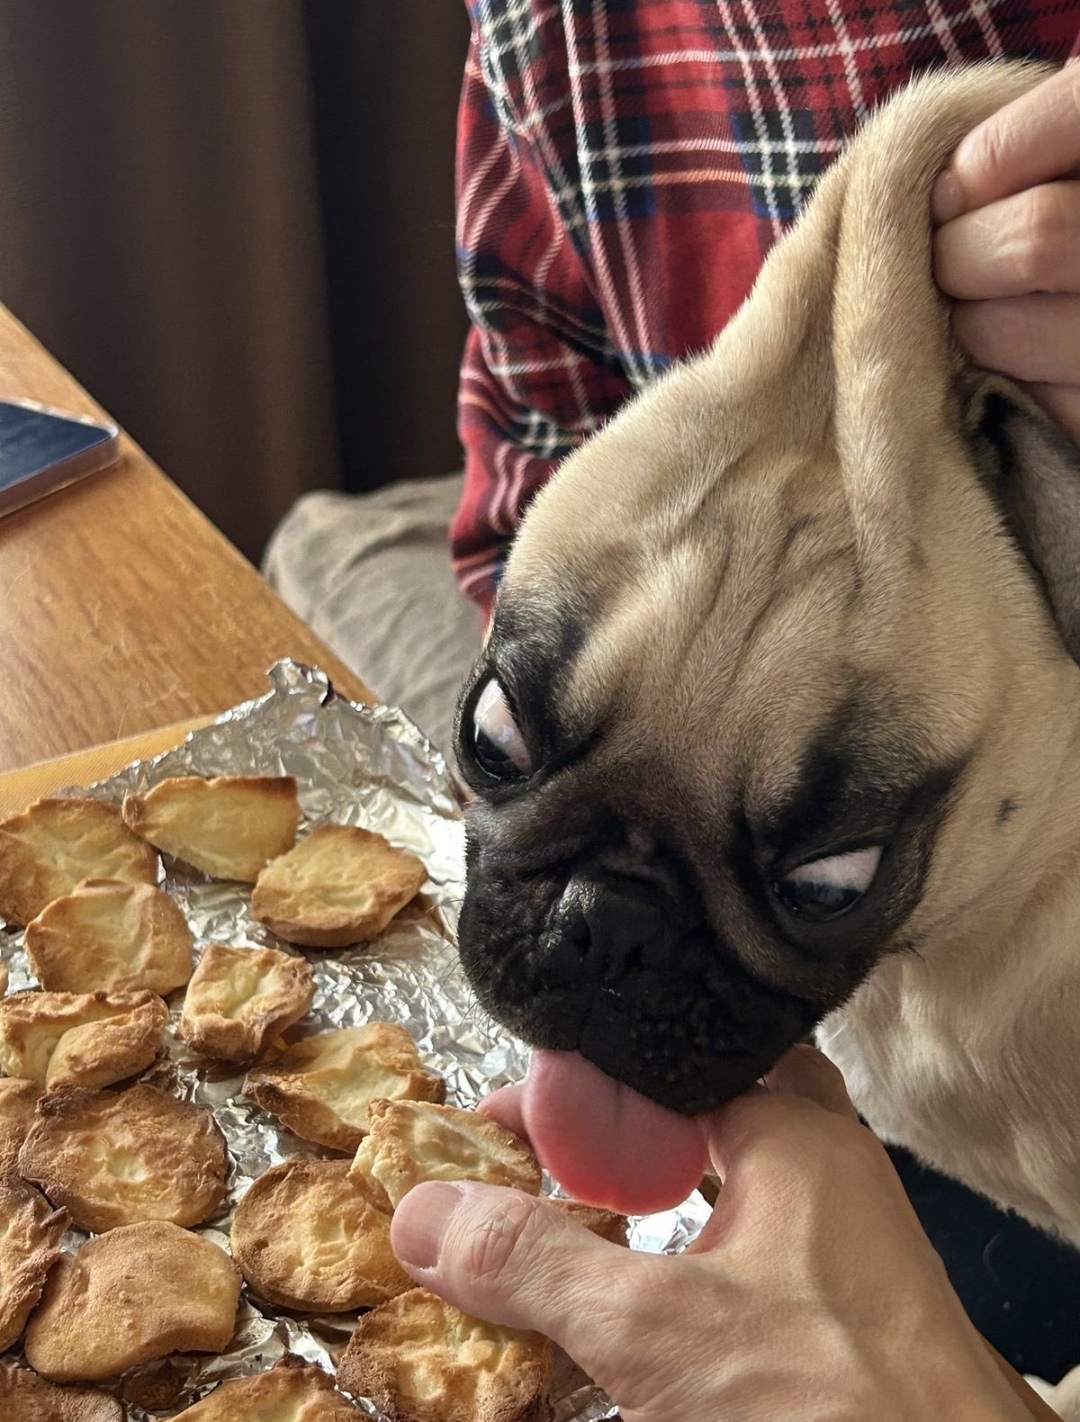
1030	141
804	1113
504	1106
1019	245
1061	403
804	1071
1034	338
517	1260
785	1116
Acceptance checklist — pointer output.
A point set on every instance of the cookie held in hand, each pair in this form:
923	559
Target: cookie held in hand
322	1086
413	1141
114	1158
340	885
308	1236
238	998
130	1296
227	826
605	1224
56	844
422	1360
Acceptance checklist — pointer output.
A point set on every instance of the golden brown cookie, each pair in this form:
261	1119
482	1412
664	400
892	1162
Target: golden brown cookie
17	1101
80	1039
107	936
30	1231
3	977
132	1295
228	826
422	1360
308	1237
340	885
291	1392
24	1397
56	844
114	1158
239	997
606	1224
322	1086
412	1141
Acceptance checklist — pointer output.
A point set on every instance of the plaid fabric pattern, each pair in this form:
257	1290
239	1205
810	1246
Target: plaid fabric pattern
623	166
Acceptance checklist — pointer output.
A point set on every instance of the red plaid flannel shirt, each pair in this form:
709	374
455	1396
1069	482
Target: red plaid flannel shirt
623	166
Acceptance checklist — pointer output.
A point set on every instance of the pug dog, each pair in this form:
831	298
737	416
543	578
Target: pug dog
777	727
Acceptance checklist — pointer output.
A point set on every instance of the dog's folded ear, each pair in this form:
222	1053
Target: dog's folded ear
1032	469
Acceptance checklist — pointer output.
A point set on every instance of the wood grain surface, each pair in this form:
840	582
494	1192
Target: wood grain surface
121	607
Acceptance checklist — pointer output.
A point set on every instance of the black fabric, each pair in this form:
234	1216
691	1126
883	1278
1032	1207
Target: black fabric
1021	1287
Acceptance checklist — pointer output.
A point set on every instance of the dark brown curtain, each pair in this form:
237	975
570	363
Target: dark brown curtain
387	75
233	222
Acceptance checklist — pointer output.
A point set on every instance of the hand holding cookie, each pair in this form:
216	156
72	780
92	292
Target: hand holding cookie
779	1310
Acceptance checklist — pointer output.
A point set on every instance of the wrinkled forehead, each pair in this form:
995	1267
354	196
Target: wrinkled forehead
797	747
667	671
713	603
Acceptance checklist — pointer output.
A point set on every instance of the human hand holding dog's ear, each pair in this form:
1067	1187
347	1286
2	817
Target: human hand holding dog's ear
812	1292
1009	245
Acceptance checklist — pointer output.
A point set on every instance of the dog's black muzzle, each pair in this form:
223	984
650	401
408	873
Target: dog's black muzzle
607	928
628	971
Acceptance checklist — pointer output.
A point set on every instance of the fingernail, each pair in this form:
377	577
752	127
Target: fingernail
948	199
421	1221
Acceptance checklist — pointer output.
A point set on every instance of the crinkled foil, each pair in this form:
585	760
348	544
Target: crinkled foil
362	765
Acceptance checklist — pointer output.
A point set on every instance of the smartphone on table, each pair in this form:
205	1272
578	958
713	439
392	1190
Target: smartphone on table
42	449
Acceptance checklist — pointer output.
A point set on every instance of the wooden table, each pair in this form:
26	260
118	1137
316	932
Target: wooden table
121	607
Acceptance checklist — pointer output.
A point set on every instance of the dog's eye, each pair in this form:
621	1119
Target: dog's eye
826	888
498	745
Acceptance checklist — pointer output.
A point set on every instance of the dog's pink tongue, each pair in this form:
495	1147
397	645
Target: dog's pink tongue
606	1144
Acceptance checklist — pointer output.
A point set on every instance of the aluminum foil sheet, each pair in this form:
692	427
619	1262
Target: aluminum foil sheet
369	766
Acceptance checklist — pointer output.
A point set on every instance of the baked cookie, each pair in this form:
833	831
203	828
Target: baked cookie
229	826
239	997
114	1158
17	1101
291	1392
412	1141
322	1086
80	1039
109	936
309	1237
422	1360
606	1224
24	1397
56	844
30	1233
132	1295
340	885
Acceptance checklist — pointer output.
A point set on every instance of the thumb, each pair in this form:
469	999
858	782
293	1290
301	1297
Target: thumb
514	1259
805	1071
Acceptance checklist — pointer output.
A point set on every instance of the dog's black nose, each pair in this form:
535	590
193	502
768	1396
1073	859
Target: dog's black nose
607	927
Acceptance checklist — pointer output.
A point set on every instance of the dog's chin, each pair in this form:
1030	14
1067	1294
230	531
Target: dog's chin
688	1036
